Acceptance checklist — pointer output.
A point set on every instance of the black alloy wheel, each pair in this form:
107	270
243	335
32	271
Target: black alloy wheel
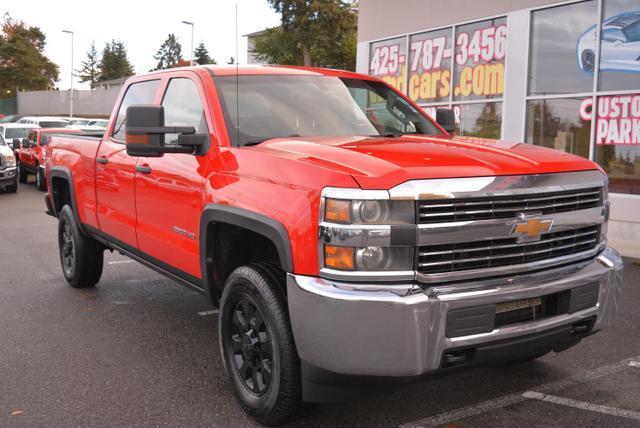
81	257
588	61
251	347
67	249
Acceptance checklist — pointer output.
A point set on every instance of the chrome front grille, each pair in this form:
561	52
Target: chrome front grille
509	206
491	253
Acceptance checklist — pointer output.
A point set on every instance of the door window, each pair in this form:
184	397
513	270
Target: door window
183	107
137	93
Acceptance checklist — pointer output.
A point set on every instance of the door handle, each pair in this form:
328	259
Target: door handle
143	169
102	160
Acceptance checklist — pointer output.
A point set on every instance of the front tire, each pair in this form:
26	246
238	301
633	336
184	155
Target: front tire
257	346
23	175
81	257
588	60
41	182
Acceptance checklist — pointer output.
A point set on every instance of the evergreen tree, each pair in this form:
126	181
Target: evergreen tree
23	63
90	67
114	63
319	33
201	55
169	54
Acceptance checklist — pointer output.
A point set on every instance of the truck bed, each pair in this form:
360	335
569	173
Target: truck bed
76	155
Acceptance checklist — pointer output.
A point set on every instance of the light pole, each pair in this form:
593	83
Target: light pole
191	24
71	90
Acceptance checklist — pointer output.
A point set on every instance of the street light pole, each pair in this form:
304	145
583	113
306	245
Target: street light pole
71	90
191	24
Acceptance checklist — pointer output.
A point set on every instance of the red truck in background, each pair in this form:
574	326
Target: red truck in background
32	154
348	239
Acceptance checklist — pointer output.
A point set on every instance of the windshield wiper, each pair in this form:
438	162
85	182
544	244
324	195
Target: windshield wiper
262	140
388	135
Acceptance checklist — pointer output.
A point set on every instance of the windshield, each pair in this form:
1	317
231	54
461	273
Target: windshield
2	142
633	32
11	133
306	106
52	124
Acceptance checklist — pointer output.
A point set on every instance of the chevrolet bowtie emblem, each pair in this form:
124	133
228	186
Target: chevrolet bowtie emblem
530	228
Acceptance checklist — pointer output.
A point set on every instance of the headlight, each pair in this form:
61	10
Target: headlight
364	234
368	259
10	160
368	211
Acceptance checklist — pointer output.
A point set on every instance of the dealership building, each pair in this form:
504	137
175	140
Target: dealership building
564	75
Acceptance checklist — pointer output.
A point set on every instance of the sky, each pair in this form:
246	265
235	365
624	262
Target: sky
142	26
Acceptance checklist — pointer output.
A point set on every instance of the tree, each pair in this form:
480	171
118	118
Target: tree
89	72
318	33
23	63
114	63
201	55
169	54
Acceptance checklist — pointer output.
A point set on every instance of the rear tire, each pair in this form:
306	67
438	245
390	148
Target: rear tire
22	174
41	182
81	257
257	346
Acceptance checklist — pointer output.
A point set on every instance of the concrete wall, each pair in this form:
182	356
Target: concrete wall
94	103
378	19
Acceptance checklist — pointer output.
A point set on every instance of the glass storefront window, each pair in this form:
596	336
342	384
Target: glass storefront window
558	124
479	120
561	56
620	46
617	139
430	66
480	52
388	61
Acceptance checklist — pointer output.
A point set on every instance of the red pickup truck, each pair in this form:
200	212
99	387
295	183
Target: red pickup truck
32	154
350	241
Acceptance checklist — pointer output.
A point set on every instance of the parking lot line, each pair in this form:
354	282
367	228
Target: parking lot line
518	397
206	313
583	405
120	262
634	364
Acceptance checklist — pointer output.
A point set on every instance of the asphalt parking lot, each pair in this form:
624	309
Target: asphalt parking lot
141	350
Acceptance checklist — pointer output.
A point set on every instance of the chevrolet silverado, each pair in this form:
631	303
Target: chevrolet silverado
350	241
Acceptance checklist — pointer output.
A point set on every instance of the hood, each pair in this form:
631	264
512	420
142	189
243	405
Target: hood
381	163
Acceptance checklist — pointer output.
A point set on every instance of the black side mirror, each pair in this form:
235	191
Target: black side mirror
15	144
145	132
446	118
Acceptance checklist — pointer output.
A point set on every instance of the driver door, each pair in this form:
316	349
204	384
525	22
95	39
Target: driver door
169	189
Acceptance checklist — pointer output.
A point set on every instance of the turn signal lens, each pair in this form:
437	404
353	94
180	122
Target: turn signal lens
337	211
338	257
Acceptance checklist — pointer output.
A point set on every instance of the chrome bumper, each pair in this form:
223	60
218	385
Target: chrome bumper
7	175
357	329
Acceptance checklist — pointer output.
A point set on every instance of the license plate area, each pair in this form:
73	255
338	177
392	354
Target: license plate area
484	319
524	310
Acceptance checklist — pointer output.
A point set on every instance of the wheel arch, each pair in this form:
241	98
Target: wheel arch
58	177
219	214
